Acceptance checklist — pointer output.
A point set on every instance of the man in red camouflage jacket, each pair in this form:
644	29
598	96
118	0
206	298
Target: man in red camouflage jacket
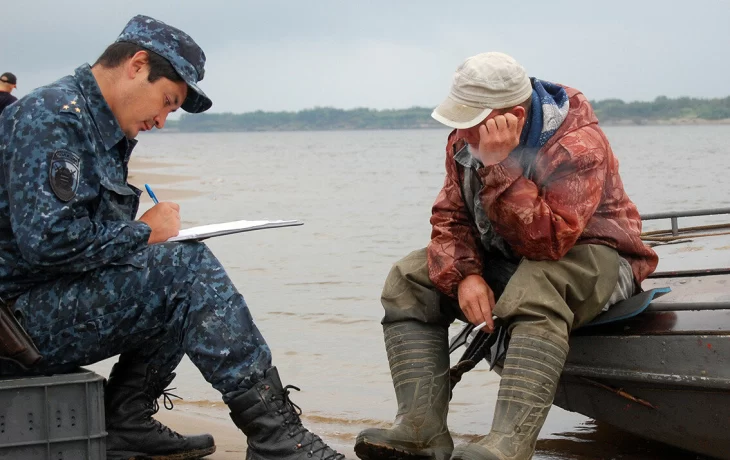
533	227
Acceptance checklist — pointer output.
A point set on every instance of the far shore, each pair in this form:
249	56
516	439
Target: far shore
669	121
172	127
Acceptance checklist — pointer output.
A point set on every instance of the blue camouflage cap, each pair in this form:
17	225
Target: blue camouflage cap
177	47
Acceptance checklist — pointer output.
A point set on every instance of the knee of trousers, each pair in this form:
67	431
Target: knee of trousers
183	265
554	294
409	294
192	255
534	303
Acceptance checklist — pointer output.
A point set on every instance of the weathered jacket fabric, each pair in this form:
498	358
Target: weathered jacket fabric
536	205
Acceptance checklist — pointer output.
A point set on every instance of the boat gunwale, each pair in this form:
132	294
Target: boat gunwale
678	380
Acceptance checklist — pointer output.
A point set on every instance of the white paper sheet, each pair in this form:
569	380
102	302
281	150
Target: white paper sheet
227	228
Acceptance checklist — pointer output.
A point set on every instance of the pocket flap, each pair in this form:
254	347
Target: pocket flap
119	188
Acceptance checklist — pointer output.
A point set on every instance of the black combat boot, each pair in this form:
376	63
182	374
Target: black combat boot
530	378
271	423
418	355
131	400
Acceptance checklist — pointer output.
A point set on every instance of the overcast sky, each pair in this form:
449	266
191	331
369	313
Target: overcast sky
292	55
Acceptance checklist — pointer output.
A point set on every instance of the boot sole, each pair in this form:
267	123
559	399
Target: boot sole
475	452
368	450
187	455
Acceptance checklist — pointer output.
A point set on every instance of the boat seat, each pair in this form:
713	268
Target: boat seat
628	308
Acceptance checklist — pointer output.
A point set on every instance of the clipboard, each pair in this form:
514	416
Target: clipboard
228	228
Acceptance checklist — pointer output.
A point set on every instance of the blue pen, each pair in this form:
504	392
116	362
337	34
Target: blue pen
151	193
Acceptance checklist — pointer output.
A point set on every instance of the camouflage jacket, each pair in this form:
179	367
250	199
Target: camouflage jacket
569	192
65	204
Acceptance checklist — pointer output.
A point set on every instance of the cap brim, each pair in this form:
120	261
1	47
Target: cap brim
459	116
196	101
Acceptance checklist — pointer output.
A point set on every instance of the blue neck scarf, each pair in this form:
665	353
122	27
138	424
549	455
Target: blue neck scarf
549	110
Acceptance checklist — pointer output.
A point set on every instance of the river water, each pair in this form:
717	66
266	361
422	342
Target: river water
365	198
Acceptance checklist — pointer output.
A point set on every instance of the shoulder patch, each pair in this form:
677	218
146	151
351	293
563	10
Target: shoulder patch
65	167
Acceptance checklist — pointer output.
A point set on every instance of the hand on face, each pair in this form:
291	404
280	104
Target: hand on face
498	136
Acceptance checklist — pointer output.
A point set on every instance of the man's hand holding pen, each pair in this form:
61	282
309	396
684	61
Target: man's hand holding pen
163	218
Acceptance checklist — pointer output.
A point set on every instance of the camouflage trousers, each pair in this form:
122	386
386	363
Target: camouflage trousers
154	306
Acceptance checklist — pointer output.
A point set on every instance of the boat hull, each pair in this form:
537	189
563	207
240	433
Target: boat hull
662	375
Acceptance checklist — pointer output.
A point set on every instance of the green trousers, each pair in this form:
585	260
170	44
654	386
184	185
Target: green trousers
542	298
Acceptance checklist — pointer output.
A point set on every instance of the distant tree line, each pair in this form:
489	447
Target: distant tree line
326	118
317	119
663	108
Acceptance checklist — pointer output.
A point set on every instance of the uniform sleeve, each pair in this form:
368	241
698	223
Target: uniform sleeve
452	252
55	231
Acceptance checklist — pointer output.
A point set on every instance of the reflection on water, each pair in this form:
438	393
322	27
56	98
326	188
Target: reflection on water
365	198
595	440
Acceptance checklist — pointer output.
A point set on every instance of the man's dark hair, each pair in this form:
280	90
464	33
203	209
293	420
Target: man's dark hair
117	53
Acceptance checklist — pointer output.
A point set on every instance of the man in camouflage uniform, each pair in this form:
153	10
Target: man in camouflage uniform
533	226
89	282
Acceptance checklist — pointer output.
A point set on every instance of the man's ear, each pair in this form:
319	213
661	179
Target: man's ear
518	111
137	63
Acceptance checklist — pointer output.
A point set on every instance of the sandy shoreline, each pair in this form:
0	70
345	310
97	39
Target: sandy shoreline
143	171
230	442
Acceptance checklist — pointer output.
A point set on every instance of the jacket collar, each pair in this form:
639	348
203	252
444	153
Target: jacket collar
105	121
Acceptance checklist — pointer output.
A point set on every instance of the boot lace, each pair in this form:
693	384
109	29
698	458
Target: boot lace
166	400
304	438
167	403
